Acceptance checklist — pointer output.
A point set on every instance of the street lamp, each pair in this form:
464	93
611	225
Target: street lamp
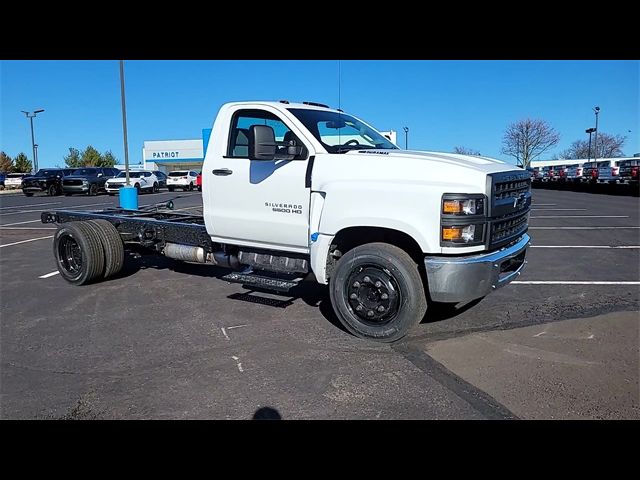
35	160
595	143
406	137
589	131
30	116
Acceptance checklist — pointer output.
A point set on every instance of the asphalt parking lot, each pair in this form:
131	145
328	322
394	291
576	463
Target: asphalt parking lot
167	340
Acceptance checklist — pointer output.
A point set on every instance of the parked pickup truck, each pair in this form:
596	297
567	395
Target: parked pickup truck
295	191
629	171
45	180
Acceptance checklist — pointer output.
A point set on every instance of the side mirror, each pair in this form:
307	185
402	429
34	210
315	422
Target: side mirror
262	143
99	174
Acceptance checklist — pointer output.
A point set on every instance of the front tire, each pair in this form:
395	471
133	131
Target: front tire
171	189
156	187
93	190
52	191
377	292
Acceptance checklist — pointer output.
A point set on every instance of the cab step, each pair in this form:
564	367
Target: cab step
258	281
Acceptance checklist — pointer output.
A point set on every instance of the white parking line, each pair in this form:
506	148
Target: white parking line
71	207
26	228
25	241
19	223
563	282
561	209
31	205
584	246
577	228
47	275
581	216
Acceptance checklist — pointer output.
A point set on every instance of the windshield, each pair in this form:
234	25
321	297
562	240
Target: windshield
85	171
339	132
46	173
131	174
178	174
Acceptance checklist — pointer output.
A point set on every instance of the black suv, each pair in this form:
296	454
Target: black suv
45	180
87	180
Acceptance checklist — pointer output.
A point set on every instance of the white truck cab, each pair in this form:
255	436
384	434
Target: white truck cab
300	190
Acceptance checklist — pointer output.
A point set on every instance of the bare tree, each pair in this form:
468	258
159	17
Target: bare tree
609	146
465	151
528	139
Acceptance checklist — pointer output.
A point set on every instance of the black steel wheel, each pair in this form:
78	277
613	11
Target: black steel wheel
78	252
377	292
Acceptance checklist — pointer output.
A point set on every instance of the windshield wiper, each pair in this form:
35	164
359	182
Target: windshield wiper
348	148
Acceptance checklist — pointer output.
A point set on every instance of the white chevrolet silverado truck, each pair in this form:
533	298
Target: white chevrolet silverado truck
295	191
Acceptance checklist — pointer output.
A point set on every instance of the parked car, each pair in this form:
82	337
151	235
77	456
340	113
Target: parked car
143	180
45	180
574	173
199	181
608	172
629	171
13	180
590	170
547	174
2	179
88	180
162	178
184	179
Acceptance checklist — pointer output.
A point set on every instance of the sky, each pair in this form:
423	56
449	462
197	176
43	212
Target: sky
443	103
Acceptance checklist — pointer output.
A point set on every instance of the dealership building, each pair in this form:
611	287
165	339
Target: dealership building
169	155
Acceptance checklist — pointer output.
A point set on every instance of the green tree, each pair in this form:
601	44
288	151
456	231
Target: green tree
21	164
73	159
108	159
90	157
6	163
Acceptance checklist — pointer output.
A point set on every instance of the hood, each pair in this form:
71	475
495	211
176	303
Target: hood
481	164
79	177
121	179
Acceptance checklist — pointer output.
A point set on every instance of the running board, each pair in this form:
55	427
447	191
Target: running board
267	283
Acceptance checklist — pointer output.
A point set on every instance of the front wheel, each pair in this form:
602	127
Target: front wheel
191	187
377	292
156	187
52	191
171	189
93	190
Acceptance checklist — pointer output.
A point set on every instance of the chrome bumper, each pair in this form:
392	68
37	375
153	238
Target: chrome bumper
461	279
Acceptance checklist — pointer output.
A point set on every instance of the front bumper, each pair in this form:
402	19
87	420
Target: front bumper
461	279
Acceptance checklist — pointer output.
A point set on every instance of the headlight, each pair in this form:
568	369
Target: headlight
460	204
462	220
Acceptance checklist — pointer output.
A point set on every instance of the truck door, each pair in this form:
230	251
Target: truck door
256	202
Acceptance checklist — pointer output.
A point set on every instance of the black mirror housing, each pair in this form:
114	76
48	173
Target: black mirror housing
262	143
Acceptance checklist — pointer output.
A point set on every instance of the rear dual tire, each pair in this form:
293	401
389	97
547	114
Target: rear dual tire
86	251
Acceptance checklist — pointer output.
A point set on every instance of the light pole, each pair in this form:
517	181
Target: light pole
128	194
589	131
30	116
35	158
595	144
406	137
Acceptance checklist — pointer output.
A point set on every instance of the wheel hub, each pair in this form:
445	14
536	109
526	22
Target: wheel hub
372	294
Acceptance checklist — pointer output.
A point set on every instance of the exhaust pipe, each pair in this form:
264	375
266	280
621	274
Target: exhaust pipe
186	253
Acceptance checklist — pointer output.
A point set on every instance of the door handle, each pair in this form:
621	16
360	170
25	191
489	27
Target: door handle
222	172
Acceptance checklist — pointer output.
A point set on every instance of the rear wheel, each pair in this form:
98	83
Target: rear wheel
170	189
191	187
93	190
377	292
111	244
78	252
156	187
137	185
